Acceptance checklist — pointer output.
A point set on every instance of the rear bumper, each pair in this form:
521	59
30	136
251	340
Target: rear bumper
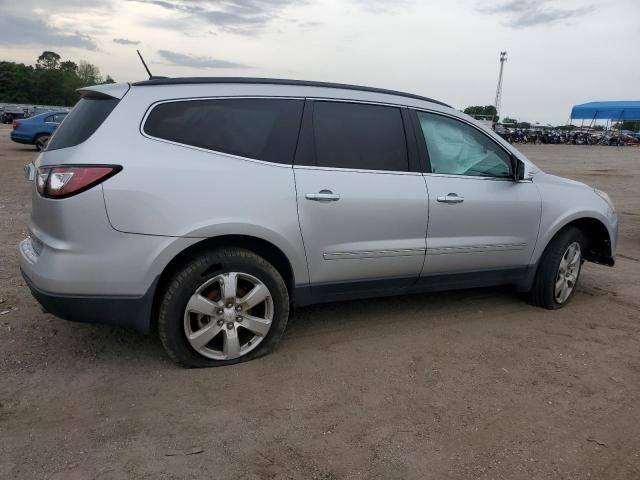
20	139
81	269
133	312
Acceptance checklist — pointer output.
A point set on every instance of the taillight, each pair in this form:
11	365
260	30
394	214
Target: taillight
16	124
63	182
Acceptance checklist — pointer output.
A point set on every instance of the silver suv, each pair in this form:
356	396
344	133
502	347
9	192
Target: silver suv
205	209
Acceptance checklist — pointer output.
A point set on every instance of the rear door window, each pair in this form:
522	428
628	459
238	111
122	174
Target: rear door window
82	121
258	128
359	136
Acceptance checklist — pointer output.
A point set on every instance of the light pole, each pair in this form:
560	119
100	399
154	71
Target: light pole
503	58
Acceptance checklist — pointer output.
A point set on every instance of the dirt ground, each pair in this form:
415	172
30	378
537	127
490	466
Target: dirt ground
468	384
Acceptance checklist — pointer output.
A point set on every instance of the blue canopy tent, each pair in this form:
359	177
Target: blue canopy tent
622	110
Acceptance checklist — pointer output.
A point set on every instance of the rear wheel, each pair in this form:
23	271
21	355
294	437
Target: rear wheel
41	141
559	270
223	307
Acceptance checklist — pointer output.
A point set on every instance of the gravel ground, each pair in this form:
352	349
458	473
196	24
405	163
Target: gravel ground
468	384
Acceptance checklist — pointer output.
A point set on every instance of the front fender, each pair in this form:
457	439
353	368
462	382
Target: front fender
564	201
550	229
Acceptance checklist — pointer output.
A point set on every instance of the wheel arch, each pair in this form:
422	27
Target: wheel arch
599	247
270	252
38	134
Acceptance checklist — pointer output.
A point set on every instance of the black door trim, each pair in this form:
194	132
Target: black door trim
521	277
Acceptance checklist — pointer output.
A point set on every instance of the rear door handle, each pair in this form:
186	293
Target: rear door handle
451	198
323	196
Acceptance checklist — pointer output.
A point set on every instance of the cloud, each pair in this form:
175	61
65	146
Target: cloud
309	24
125	41
529	13
378	7
17	29
183	60
238	16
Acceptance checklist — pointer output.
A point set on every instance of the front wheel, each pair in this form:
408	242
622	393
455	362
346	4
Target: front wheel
223	307
559	270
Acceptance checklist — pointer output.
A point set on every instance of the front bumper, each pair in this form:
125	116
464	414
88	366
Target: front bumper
125	311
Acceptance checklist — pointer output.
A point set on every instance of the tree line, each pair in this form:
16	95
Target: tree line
487	110
490	111
51	81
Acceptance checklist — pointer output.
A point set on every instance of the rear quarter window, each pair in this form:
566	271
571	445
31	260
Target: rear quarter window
79	124
257	128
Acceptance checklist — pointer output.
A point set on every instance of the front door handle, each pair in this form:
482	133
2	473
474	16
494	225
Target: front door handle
451	198
323	196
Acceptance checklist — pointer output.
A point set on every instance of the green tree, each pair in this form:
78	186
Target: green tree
16	82
88	74
52	81
69	67
70	81
487	110
46	85
633	125
48	60
509	120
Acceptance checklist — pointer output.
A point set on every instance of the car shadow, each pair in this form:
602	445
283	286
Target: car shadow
398	309
22	148
102	344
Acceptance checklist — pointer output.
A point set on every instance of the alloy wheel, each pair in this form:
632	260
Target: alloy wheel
228	316
41	142
568	272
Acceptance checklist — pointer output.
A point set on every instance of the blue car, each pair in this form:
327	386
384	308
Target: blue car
36	130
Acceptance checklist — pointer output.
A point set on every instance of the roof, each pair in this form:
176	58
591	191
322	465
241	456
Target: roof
279	81
616	110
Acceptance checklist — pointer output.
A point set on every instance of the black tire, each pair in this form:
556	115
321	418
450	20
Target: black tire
41	141
193	274
543	292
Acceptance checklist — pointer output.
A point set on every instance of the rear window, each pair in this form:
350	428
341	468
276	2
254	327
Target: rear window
82	121
259	128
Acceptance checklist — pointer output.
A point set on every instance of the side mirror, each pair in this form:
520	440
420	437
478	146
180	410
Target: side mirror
520	170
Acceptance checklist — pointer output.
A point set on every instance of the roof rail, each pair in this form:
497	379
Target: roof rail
279	81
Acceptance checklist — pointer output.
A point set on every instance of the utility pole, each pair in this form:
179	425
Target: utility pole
503	58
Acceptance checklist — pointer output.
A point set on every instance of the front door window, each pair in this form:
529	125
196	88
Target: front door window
458	149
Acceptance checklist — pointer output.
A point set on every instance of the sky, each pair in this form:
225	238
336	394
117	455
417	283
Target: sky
560	52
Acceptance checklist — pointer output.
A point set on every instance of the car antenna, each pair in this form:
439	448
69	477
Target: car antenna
145	65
